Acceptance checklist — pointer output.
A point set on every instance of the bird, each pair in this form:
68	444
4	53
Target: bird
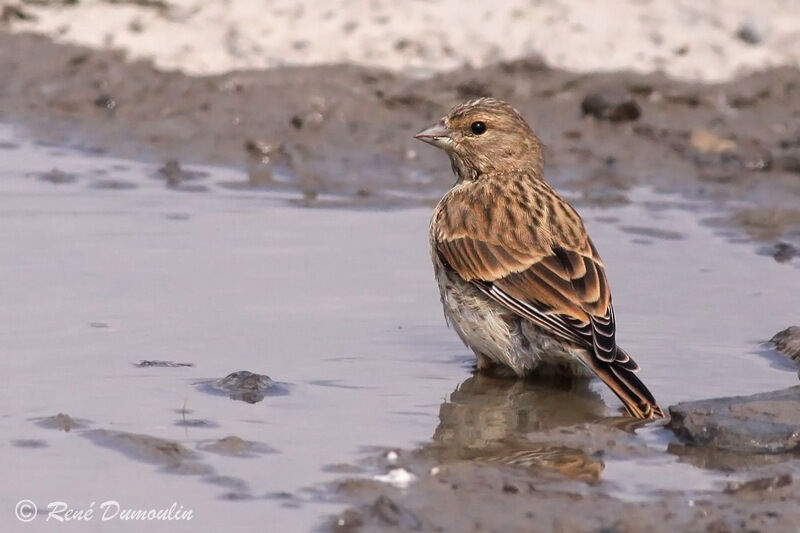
520	280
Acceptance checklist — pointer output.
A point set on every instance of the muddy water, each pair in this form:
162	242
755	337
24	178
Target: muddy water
106	266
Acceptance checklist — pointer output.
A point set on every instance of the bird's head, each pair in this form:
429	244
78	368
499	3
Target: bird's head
484	136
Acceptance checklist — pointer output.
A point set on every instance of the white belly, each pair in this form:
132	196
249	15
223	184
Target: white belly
491	330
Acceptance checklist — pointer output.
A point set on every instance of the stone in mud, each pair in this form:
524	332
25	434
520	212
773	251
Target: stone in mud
783	252
750	33
611	104
235	447
391	513
261	156
175	175
261	150
245	386
105	102
761	423
787	342
62	422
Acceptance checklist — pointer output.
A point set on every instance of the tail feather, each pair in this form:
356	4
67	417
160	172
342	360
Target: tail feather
638	400
638	397
622	358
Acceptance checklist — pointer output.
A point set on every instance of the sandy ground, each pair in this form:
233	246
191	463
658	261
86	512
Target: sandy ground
710	40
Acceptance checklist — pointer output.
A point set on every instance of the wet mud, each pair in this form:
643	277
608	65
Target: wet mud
347	130
762	423
787	342
494	467
471	497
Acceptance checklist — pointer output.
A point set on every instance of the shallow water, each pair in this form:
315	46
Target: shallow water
106	266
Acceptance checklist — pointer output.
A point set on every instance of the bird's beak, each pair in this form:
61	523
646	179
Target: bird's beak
438	135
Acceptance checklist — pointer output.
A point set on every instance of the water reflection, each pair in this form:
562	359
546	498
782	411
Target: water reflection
496	420
711	458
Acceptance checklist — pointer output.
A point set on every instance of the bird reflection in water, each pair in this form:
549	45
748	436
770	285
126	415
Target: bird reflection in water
495	420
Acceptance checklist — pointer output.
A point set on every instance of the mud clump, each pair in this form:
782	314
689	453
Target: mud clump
235	447
62	422
611	104
56	177
783	252
762	423
171	455
146	363
175	175
391	513
787	342
244	386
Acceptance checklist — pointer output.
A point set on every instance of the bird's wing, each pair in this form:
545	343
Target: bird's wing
563	291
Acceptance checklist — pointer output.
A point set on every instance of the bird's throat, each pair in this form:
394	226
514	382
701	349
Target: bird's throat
463	169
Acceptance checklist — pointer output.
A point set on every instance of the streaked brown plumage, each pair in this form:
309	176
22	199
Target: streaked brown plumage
521	282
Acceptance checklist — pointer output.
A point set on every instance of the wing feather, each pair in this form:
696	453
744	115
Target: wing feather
563	289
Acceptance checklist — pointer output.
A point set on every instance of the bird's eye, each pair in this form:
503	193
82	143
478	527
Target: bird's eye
478	128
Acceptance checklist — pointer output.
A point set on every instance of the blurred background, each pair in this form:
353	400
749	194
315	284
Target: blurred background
709	41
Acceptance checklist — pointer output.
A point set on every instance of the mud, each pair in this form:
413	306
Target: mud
787	342
169	454
469	496
762	423
235	447
347	130
62	422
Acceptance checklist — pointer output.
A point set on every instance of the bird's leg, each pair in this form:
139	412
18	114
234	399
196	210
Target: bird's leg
484	363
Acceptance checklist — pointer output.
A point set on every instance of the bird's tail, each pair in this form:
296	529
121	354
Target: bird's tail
638	400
